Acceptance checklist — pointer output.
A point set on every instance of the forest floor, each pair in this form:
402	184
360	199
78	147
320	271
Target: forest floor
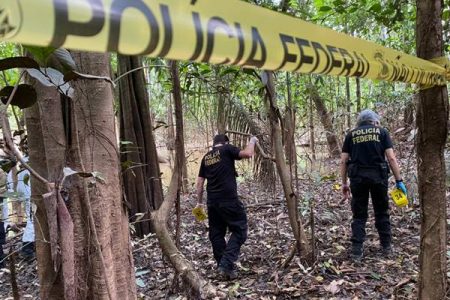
333	275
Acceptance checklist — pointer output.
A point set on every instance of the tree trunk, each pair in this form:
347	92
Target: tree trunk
283	171
80	134
312	139
358	94
348	102
170	143
46	152
221	98
140	163
408	114
325	119
289	129
180	155
432	118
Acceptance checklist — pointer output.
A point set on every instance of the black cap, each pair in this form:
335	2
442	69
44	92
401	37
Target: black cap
220	139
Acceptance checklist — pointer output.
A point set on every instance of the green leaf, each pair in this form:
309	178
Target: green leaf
375	276
325	8
61	60
375	8
40	54
338	2
26	179
52	77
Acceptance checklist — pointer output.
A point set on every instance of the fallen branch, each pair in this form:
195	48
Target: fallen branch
176	258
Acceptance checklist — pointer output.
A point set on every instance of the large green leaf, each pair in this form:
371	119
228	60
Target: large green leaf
40	54
52	77
375	8
325	8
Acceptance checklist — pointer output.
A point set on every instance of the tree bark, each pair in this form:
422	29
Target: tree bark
289	129
179	137
80	134
325	119
432	118
358	94
170	143
221	98
348	102
312	138
140	163
283	171
41	119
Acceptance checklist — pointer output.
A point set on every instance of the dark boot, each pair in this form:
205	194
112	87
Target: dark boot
357	252
28	250
227	274
386	251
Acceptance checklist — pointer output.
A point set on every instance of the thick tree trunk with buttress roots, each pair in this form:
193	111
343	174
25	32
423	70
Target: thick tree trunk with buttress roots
139	159
79	133
283	170
47	145
432	118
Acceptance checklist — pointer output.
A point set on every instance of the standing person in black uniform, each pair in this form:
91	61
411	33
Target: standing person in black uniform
363	159
224	208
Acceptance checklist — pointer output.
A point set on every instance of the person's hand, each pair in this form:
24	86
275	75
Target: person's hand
401	186
253	140
345	191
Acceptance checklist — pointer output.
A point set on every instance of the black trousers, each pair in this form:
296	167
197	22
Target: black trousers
360	188
225	215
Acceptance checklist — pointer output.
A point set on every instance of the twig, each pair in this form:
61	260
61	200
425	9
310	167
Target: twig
137	69
265	203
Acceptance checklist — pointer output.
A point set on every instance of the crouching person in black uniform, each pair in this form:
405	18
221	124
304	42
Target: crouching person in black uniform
363	159
225	211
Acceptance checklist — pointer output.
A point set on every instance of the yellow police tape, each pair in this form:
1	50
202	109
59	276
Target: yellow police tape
214	31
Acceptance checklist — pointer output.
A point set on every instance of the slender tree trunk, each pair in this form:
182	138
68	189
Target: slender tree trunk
408	114
358	94
283	171
289	129
325	119
221	98
170	143
312	142
432	122
348	102
180	153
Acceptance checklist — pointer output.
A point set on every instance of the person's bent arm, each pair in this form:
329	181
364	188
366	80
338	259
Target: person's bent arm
249	150
344	160
199	188
393	163
343	168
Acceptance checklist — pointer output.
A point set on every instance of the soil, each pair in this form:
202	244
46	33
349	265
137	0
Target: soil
333	275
